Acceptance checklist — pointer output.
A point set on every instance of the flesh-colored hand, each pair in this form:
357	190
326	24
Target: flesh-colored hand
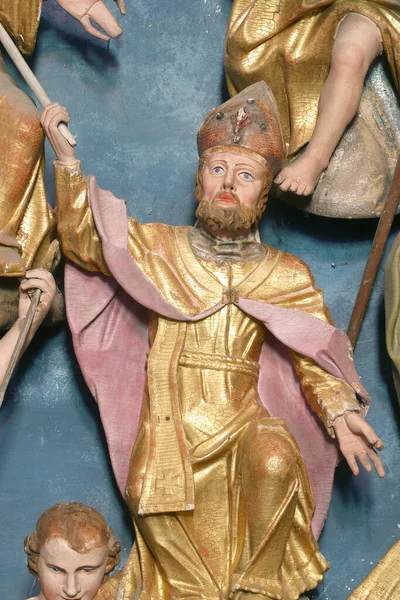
86	11
121	6
51	117
36	279
358	441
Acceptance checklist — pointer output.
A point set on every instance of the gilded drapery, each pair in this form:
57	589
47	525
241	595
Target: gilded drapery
392	310
21	19
288	44
239	457
383	583
26	219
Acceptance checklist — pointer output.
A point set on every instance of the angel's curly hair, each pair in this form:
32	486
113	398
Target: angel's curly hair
82	527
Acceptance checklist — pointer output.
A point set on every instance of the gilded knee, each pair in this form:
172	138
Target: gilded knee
272	456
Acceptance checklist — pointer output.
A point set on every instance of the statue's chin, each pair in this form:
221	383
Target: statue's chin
233	219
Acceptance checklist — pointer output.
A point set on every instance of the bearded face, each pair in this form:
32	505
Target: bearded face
233	217
231	191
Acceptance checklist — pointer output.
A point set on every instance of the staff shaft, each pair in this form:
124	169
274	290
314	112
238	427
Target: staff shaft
31	79
375	256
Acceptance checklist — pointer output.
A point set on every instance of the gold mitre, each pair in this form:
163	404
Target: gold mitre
248	123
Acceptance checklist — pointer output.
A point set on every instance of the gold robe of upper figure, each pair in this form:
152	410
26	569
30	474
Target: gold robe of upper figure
315	56
26	220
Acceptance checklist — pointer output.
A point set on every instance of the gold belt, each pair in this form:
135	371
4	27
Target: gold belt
218	362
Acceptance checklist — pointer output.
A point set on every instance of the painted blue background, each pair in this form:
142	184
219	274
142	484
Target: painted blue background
136	105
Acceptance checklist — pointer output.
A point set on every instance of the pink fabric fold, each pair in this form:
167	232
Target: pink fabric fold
108	318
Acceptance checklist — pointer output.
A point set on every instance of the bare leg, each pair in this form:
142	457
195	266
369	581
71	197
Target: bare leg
356	45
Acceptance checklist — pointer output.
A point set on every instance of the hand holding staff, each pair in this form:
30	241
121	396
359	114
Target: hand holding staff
47	287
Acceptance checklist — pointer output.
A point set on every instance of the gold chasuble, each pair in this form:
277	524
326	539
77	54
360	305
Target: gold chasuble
288	44
205	439
26	220
238	456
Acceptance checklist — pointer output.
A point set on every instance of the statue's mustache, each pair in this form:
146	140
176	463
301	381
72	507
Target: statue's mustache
234	197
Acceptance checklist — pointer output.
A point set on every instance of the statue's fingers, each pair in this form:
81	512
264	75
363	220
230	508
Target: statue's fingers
49	107
41	273
121	6
371	436
351	461
377	462
48	112
364	461
358	425
34	283
100	14
65	116
88	27
55	120
59	112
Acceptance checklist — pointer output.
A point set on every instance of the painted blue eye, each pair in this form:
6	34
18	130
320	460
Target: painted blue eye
218	170
246	176
55	569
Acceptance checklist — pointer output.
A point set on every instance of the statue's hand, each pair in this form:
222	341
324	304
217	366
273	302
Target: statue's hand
36	279
121	6
358	440
51	117
86	10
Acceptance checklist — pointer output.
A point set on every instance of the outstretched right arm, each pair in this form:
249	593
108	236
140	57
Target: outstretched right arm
77	232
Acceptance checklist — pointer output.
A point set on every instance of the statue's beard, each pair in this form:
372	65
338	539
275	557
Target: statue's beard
234	217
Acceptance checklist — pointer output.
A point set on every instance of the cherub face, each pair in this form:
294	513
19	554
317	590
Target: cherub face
65	574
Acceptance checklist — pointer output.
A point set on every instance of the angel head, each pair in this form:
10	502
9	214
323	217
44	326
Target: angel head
72	551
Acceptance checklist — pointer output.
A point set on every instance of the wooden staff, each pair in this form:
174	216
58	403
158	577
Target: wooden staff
50	261
375	256
30	79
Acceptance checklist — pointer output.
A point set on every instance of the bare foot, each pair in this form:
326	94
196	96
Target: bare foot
301	176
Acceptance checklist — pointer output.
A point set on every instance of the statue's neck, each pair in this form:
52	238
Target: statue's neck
207	245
